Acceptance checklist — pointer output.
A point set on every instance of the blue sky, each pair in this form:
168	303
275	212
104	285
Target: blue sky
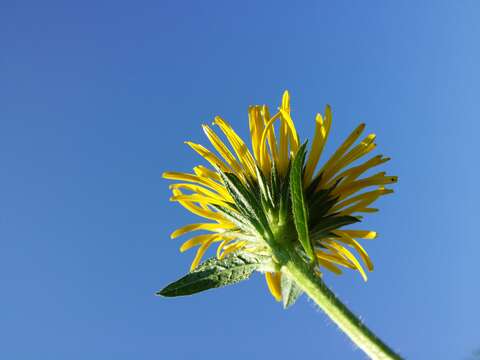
96	99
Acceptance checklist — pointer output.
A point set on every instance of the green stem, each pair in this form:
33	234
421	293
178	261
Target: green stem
365	339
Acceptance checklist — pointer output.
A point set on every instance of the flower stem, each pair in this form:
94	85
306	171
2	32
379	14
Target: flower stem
365	339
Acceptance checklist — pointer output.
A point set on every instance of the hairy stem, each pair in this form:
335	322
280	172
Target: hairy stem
365	339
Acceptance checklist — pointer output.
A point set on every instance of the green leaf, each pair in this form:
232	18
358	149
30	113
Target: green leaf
299	208
214	273
290	291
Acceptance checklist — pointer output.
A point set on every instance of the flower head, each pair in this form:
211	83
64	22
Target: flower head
272	196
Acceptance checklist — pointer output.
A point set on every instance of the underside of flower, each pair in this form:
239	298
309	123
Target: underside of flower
272	197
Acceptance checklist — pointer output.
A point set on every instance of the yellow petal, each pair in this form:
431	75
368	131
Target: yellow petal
197	189
329	266
209	156
342	149
219	226
272	141
344	237
353	173
198	257
196	240
222	149
333	258
283	157
359	201
256	128
361	234
203	211
273	283
220	248
243	154
319	140
232	248
201	199
347	255
345	190
203	171
286	101
267	132
257	123
172	175
358	151
292	132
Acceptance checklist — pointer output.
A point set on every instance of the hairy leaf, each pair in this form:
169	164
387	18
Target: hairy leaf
290	291
299	208
214	273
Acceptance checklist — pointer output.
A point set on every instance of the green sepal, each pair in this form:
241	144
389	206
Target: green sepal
274	183
299	208
263	186
236	218
290	291
331	222
247	203
266	196
214	273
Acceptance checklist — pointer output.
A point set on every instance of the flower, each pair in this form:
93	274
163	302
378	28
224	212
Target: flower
245	195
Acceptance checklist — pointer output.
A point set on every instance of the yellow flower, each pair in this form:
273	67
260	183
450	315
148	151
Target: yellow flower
336	195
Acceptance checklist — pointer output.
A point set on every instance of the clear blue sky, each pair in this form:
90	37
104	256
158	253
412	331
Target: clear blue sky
96	99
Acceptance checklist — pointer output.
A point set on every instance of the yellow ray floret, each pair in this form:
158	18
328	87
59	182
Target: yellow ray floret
203	171
217	227
360	150
238	145
333	258
205	181
256	128
198	256
361	234
232	248
197	189
203	211
267	133
359	201
273	283
342	149
322	129
347	239
353	173
201	199
209	156
222	149
344	190
197	240
347	255
272	141
329	265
